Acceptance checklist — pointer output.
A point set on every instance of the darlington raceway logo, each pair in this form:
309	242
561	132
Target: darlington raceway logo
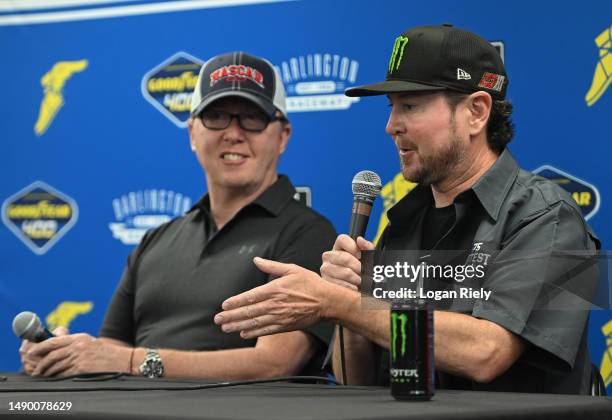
316	82
137	212
584	194
603	69
39	215
53	83
169	86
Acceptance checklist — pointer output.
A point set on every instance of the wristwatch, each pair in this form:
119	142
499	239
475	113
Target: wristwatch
152	366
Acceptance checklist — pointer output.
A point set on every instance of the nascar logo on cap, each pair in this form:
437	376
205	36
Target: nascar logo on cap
236	73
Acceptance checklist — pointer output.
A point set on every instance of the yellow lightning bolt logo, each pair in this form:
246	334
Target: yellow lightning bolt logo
53	83
606	359
391	193
603	69
66	312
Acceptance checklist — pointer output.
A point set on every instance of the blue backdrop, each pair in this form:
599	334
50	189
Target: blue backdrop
94	109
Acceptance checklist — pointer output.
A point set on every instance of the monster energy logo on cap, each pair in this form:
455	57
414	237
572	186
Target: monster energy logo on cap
403	318
398	53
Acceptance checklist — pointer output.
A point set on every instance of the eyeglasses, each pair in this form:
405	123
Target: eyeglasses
219	120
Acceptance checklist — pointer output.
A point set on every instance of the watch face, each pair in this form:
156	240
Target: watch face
157	369
152	367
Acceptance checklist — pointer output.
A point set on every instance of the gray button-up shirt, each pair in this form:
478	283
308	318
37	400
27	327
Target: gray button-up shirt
539	255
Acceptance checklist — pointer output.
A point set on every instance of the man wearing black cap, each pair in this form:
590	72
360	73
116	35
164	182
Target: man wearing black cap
450	123
160	320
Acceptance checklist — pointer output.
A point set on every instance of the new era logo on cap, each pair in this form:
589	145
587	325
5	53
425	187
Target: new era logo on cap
462	74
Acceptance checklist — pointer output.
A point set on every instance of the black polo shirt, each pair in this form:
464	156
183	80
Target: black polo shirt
177	278
522	225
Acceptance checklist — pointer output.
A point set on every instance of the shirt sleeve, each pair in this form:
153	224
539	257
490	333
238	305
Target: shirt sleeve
542	281
119	319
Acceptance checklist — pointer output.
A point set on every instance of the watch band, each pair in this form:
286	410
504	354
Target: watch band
152	366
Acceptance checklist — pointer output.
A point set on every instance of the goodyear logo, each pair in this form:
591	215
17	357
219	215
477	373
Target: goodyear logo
66	312
606	358
138	211
53	83
586	195
602	76
39	216
169	86
316	82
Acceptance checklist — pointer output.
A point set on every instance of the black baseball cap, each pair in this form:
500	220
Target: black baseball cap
243	75
430	58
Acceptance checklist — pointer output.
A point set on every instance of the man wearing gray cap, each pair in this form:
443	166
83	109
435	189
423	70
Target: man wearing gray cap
449	120
160	319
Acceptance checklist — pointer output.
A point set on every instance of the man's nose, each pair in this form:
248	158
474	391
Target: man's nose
394	124
233	133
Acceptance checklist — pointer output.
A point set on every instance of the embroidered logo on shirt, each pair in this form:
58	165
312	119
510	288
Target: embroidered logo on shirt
247	249
480	254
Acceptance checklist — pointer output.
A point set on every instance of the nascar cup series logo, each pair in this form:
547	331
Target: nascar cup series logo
316	82
169	86
584	194
137	212
39	215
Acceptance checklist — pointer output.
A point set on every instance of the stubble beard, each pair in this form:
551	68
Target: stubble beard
439	167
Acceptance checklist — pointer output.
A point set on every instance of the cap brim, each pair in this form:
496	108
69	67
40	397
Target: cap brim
390	86
265	105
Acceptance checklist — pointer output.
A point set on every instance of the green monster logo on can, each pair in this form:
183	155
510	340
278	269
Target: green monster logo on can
403	321
398	53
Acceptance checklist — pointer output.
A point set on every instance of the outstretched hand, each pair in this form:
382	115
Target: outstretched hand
295	300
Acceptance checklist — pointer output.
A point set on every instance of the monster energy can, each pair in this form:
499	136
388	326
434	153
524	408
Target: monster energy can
411	372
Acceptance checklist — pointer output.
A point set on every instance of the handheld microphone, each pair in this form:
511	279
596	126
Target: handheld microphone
366	186
27	325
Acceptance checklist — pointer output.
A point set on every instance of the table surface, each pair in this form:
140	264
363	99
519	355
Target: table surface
134	397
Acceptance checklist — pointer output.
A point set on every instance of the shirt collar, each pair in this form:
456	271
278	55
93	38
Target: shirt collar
491	190
274	199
